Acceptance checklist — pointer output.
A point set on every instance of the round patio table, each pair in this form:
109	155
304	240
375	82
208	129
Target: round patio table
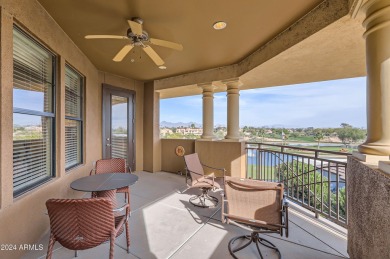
104	182
104	185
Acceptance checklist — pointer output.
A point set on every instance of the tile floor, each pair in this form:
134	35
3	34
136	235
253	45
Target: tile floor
164	225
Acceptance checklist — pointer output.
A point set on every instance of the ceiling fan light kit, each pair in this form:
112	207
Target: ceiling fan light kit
219	25
139	38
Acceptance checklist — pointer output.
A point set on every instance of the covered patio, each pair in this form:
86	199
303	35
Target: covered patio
164	224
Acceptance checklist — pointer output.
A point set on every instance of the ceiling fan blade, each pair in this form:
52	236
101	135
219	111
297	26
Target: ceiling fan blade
106	37
167	44
122	53
136	28
153	55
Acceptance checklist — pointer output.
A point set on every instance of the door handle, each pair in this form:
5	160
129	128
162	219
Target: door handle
108	145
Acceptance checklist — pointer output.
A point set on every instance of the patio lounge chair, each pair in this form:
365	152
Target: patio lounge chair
201	181
80	224
113	165
257	206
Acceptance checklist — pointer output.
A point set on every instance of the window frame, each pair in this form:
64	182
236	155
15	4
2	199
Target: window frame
78	119
51	115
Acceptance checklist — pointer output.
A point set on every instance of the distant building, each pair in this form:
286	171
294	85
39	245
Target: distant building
187	131
165	131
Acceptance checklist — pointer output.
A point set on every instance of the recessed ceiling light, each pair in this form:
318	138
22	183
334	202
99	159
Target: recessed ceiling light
220	25
162	67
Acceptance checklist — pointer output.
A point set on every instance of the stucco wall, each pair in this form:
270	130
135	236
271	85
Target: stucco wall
170	162
22	220
152	141
223	154
220	154
368	211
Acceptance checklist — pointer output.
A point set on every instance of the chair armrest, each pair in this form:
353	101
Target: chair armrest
219	169
121	208
215	168
127	207
212	175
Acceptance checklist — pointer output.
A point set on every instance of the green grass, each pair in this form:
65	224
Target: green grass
338	149
302	139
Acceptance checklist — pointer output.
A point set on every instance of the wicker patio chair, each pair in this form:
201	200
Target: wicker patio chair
113	165
201	181
80	224
257	206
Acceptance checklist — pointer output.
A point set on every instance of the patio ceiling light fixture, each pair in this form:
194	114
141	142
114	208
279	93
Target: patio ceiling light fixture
220	25
162	67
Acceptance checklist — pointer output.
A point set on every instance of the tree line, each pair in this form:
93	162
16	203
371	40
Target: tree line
346	133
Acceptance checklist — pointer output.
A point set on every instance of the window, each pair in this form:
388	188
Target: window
73	117
34	115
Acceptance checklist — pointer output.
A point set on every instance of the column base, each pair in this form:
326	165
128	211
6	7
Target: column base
232	139
369	159
207	139
375	148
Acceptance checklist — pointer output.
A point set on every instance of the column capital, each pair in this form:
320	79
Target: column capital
232	82
377	15
207	87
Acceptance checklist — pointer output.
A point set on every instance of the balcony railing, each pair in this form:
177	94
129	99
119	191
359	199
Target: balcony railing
315	179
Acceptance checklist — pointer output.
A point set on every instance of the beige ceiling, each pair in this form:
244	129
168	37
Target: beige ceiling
251	23
335	52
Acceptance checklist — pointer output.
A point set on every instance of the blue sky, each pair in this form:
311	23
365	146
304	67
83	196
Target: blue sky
319	104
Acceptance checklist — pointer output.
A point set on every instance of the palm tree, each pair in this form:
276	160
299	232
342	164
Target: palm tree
318	137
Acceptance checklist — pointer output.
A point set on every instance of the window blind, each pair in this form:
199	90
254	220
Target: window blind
73	114
33	118
119	132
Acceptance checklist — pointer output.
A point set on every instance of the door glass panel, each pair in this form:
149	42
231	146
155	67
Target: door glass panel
119	132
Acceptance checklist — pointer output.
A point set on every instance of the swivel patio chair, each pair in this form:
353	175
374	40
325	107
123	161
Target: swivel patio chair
113	165
256	206
80	224
199	180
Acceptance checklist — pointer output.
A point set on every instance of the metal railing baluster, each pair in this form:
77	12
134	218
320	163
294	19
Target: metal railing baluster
295	167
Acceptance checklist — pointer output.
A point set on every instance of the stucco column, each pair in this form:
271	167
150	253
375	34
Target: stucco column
377	35
208	110
152	142
6	110
233	108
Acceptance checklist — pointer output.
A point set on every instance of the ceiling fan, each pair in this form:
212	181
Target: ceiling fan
138	37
